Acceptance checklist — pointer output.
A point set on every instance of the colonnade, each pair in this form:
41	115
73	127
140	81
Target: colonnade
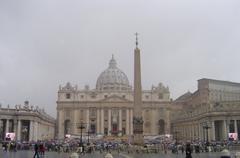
30	131
206	129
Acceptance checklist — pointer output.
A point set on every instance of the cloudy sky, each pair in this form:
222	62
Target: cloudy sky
46	43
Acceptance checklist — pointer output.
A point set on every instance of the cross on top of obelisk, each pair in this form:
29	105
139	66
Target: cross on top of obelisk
136	34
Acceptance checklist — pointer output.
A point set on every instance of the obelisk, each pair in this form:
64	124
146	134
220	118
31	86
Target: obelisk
137	107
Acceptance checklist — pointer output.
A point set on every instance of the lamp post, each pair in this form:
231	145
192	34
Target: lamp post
176	136
81	128
88	132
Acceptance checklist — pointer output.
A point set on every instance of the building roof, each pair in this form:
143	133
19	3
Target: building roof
113	78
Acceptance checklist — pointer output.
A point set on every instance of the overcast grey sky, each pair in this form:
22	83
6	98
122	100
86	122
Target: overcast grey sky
46	43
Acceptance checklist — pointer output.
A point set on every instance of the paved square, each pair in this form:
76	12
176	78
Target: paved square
29	154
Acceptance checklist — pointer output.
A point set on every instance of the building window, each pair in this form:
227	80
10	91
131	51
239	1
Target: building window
68	95
124	96
82	96
105	96
105	131
160	96
146	96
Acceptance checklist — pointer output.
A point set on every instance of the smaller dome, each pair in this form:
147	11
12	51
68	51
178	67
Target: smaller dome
113	78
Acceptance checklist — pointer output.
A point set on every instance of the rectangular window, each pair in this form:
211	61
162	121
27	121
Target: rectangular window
160	96
68	95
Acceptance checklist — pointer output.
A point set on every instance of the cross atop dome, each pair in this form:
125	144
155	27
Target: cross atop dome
136	34
112	63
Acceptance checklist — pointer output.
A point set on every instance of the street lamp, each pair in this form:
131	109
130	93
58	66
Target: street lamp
81	128
176	135
88	132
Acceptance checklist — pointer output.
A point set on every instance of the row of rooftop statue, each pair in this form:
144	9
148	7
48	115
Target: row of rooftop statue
26	107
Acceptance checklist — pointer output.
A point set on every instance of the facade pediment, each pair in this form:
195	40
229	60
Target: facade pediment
115	98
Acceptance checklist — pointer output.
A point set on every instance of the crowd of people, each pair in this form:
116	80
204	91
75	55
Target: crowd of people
76	145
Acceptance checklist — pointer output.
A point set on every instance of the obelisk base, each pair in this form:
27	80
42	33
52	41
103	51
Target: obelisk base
138	139
138	131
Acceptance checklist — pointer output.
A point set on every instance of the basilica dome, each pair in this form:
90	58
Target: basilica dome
113	78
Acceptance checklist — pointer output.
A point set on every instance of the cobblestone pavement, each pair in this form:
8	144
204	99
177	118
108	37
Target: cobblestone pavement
29	154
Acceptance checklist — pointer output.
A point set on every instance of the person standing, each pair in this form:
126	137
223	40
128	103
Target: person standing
36	149
188	151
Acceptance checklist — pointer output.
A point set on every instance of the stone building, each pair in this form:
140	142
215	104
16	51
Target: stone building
108	108
27	122
210	113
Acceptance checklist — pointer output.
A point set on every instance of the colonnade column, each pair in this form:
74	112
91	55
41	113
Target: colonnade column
202	134
131	121
7	126
127	122
19	130
35	131
225	130
199	131
235	127
109	121
120	122
191	131
30	130
102	121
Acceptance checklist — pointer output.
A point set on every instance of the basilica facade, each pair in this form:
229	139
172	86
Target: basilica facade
107	109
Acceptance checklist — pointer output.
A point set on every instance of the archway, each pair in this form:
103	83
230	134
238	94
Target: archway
161	124
66	127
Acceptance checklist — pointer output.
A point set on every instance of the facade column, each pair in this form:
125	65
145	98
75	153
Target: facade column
153	124
190	129
213	130
36	131
7	126
235	127
98	121
120	122
60	125
127	122
87	119
131	121
19	130
109	121
75	121
102	121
